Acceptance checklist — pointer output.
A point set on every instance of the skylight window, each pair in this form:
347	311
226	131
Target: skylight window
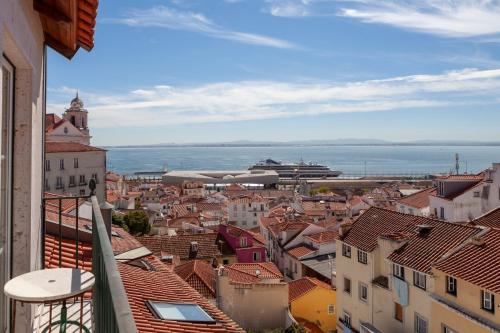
179	311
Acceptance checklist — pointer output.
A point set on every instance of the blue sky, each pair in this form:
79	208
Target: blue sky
221	70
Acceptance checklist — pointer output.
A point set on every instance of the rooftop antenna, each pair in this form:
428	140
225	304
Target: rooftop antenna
457	164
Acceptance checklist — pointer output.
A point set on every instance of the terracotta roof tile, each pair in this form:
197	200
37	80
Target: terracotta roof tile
300	287
375	222
68	253
64	147
300	251
477	264
200	275
161	284
249	273
490	219
181	245
323	237
434	240
419	199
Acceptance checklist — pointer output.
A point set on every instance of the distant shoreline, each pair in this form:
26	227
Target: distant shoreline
264	145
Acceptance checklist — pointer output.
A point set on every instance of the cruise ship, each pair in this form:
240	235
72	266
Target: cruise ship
294	170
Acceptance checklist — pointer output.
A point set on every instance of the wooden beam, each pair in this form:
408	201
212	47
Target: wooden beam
66	51
50	11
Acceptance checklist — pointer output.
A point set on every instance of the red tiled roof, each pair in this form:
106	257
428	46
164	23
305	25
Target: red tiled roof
67	205
65	147
477	264
249	273
300	251
375	222
181	244
479	176
68	253
323	237
200	275
300	287
419	199
423	249
123	242
490	219
161	284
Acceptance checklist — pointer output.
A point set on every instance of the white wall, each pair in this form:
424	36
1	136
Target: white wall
21	40
88	164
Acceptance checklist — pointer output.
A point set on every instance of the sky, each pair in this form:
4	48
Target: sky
185	71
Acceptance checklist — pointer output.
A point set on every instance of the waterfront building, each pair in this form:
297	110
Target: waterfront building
465	197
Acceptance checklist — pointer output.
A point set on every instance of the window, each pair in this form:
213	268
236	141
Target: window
331	309
254	214
225	262
346	318
446	329
451	285
47	165
441	213
59	183
243	242
256	256
363	292
295	267
47	187
94	177
476	194
347	285
61	164
179	311
487	301
419	280
398	271
420	324
398	312
346	250
362	257
75	162
71	181
82	192
82	179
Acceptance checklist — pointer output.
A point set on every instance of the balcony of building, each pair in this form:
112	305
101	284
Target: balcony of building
105	308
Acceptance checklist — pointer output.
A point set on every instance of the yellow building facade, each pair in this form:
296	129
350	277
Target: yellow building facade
313	301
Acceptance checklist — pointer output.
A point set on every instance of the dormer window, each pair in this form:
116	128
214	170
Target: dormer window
179	311
243	242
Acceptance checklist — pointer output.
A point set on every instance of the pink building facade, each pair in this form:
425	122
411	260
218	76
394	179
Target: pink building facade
247	250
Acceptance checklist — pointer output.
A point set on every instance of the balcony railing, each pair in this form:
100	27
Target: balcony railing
111	309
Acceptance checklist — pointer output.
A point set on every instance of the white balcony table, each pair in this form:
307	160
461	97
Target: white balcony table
49	286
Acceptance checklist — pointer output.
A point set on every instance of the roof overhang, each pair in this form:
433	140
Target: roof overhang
67	24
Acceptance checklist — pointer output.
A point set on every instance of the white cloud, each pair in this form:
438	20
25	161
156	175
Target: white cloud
289	8
253	100
164	17
459	18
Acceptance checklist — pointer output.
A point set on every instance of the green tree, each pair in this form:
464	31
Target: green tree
136	222
117	219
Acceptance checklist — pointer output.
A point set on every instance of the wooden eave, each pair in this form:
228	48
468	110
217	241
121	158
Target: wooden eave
68	24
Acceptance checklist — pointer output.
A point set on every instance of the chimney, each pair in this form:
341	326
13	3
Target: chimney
344	229
477	240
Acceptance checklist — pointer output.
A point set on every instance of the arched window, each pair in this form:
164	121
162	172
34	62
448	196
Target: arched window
72	120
